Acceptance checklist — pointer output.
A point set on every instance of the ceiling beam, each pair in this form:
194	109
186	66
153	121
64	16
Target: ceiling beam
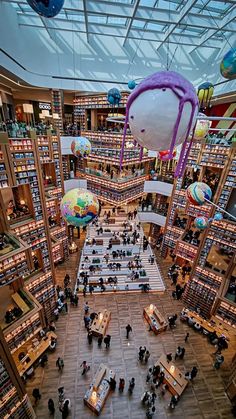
86	20
230	17
136	5
188	6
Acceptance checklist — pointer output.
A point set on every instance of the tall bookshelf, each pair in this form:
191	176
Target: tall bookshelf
210	276
57	102
14	401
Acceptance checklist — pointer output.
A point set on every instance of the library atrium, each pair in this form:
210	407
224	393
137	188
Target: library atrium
117	209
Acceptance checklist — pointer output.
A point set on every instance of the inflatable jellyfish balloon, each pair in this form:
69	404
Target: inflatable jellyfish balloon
46	8
79	207
205	93
81	147
197	192
202	127
161	111
228	65
114	96
201	222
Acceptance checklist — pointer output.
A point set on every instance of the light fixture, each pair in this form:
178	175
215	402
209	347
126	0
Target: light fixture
94	395
100	317
22	202
172	369
151	307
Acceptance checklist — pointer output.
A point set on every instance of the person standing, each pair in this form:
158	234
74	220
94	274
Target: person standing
36	395
51	407
107	341
90	337
146	357
100	339
128	330
121	385
86	308
186	337
218	361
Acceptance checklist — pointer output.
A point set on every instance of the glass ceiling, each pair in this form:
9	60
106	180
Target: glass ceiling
143	19
197	29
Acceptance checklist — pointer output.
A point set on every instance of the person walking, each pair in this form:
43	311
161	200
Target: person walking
90	337
218	361
146	357
51	407
85	367
181	356
60	364
100	339
128	330
186	337
86	308
131	386
121	385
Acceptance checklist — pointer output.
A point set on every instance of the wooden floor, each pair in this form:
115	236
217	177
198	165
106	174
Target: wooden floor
205	398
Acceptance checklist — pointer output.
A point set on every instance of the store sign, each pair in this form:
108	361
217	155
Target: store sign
45	106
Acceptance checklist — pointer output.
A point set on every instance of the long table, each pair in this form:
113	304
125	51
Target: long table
34	352
99	389
174	378
155	319
100	324
207	325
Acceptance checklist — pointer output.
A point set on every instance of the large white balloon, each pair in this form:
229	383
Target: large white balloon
152	118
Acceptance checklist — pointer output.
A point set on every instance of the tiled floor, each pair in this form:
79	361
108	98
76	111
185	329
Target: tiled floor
205	398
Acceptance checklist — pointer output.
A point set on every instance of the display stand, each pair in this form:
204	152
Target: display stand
99	389
174	378
155	319
100	324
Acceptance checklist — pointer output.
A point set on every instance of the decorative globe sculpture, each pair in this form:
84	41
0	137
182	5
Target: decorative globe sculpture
218	216
114	96
79	207
198	192
205	93
228	65
81	147
131	84
201	222
46	8
202	127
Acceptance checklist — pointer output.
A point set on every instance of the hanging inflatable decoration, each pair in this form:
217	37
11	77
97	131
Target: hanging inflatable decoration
161	111
46	8
81	147
164	155
205	93
79	207
228	65
198	192
202	127
131	84
114	96
218	216
201	222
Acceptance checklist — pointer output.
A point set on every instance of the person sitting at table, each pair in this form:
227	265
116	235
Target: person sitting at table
43	360
156	371
53	344
9	316
213	338
191	321
197	326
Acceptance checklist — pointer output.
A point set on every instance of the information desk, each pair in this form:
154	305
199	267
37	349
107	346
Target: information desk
207	325
100	325
36	349
174	378
99	389
154	318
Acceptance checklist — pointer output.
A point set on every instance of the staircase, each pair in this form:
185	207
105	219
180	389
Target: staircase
153	275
